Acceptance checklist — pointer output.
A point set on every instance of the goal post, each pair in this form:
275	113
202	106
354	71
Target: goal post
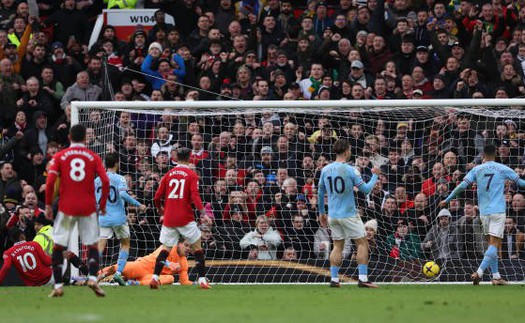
259	164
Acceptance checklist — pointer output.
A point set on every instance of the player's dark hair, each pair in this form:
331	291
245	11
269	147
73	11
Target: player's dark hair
489	150
78	133
340	146
16	235
183	154
111	160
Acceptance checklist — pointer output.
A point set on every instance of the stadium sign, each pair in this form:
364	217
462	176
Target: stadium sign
126	21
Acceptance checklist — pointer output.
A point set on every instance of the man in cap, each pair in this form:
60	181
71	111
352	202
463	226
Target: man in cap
358	75
441	239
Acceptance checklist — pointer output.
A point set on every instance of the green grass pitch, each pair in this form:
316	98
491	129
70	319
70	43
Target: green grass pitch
275	303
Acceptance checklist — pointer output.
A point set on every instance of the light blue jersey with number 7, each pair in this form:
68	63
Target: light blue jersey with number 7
338	180
490	178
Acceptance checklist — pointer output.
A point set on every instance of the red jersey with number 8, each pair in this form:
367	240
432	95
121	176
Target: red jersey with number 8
179	189
31	262
77	167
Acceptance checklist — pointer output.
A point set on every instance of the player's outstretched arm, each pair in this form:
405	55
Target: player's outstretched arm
130	200
5	268
460	188
521	183
367	187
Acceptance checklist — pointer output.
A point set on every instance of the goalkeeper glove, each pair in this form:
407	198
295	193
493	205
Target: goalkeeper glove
173	266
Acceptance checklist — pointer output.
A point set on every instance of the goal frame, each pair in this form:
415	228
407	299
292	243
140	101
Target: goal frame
258	106
302	104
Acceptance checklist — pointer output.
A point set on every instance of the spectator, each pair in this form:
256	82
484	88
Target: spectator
428	187
394	169
465	143
11	85
471	244
263	241
513	241
9	181
70	24
164	141
34	168
517	210
35	100
402	244
375	247
51	87
82	90
165	67
289	254
312	84
420	218
38	136
388	217
299	237
372	149
441	240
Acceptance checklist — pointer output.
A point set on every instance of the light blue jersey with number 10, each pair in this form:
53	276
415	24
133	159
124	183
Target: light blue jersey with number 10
490	178
118	195
338	180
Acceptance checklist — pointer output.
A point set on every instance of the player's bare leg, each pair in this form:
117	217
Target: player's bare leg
159	264
93	269
336	259
198	253
362	263
57	259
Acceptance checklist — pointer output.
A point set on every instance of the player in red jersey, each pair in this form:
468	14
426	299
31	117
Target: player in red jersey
76	168
30	261
178	190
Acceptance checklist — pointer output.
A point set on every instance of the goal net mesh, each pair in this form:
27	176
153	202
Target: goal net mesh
259	171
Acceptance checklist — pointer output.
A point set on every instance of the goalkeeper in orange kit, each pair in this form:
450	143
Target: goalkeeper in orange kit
141	269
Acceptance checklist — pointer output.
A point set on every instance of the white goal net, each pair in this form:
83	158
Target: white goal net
259	163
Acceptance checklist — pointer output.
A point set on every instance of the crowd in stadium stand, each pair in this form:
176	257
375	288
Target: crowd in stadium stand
259	172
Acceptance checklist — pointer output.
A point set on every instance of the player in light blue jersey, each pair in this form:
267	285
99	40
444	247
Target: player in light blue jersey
490	179
338	180
115	219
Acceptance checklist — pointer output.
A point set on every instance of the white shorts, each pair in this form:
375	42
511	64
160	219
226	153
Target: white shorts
493	224
345	228
87	228
121	232
170	236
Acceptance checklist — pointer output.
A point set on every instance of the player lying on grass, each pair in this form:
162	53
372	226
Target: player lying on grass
32	264
115	220
490	179
142	268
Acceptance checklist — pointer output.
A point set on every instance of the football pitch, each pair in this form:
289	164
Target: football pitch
263	303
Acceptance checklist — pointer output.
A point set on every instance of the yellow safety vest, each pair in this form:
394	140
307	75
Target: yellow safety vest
121	4
44	238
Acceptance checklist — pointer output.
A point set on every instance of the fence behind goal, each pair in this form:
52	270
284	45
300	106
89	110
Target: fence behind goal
259	163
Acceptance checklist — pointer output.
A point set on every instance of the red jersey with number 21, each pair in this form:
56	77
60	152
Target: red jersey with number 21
77	167
179	189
